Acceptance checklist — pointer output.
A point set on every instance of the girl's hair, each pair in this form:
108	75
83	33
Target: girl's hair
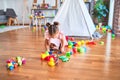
48	24
52	28
56	23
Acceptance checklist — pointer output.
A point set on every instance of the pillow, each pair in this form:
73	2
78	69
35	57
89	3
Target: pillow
10	13
2	12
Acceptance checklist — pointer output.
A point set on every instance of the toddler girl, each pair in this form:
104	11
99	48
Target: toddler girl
54	39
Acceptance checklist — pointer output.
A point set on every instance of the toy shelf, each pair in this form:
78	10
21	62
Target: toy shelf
49	13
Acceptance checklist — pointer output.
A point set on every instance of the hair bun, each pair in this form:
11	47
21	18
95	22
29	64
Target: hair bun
48	24
56	23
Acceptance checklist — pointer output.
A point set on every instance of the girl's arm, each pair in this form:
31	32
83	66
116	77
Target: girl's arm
62	48
46	40
46	44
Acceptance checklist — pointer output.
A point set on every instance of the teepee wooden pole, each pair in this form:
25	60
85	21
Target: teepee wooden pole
24	12
43	1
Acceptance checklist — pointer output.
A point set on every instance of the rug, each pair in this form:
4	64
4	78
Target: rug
9	28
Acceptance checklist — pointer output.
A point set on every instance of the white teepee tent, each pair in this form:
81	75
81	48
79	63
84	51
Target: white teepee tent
75	19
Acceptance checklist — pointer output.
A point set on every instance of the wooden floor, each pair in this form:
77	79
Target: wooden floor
101	62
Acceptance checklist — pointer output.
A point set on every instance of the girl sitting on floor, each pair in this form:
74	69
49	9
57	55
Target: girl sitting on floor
54	39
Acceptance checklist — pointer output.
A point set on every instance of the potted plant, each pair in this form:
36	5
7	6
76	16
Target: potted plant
100	11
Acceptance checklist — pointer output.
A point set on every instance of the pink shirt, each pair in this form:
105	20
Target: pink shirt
56	40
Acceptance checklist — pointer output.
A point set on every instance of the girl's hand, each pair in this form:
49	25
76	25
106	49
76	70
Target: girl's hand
48	50
62	50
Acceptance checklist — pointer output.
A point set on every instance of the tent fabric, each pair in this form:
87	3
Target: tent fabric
75	19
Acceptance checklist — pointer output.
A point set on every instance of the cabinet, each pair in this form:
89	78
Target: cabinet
44	9
41	16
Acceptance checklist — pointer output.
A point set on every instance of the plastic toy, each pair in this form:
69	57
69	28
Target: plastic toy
74	43
90	43
70	46
79	43
104	30
49	57
23	60
81	49
70	43
43	30
42	17
67	38
9	65
72	39
15	65
50	52
97	27
11	68
46	6
19	60
113	36
44	55
109	30
33	29
45	27
82	42
31	16
2	26
85	49
74	50
15	62
101	42
78	49
64	58
68	54
51	62
71	53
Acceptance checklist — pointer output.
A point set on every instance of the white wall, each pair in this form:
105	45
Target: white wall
18	6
